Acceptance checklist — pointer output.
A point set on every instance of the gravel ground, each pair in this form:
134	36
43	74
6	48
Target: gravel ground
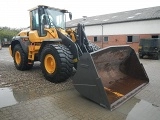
27	84
42	100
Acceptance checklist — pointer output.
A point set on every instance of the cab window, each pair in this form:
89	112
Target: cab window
35	20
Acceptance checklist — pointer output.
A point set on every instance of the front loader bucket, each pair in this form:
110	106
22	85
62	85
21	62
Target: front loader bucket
110	76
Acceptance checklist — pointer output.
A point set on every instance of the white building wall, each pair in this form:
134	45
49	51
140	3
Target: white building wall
136	27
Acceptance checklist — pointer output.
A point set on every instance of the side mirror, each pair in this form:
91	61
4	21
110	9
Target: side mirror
70	15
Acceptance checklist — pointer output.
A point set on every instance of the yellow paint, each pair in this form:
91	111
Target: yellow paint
24	32
116	93
140	47
17	57
33	49
50	63
63	31
36	41
33	36
51	33
71	32
75	60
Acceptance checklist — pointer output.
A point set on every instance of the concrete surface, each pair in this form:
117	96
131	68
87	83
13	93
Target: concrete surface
28	96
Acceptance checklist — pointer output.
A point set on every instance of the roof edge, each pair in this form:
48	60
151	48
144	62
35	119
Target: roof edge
118	22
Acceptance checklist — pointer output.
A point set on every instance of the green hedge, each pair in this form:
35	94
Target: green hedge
6	32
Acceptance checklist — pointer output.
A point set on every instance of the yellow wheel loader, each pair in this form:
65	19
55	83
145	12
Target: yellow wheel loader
108	76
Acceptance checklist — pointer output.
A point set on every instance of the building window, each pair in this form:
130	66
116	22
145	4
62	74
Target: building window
129	38
155	36
95	39
105	39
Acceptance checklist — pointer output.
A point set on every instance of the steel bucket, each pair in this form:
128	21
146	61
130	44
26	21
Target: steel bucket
110	76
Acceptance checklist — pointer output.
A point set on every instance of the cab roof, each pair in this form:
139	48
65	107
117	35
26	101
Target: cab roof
62	10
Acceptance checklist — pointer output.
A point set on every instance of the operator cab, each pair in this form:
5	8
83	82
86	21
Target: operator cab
44	17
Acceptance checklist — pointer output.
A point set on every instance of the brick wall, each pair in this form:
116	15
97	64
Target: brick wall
119	40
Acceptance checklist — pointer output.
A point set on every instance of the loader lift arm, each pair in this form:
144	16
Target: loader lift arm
82	40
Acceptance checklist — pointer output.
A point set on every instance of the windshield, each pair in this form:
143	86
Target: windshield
55	18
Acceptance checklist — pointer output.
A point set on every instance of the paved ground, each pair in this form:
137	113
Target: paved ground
28	96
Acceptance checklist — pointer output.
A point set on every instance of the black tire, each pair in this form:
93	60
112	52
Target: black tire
94	46
156	56
63	60
23	61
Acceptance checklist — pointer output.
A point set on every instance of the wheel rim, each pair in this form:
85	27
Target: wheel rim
50	63
18	57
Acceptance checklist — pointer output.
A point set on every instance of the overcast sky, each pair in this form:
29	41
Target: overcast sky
14	13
